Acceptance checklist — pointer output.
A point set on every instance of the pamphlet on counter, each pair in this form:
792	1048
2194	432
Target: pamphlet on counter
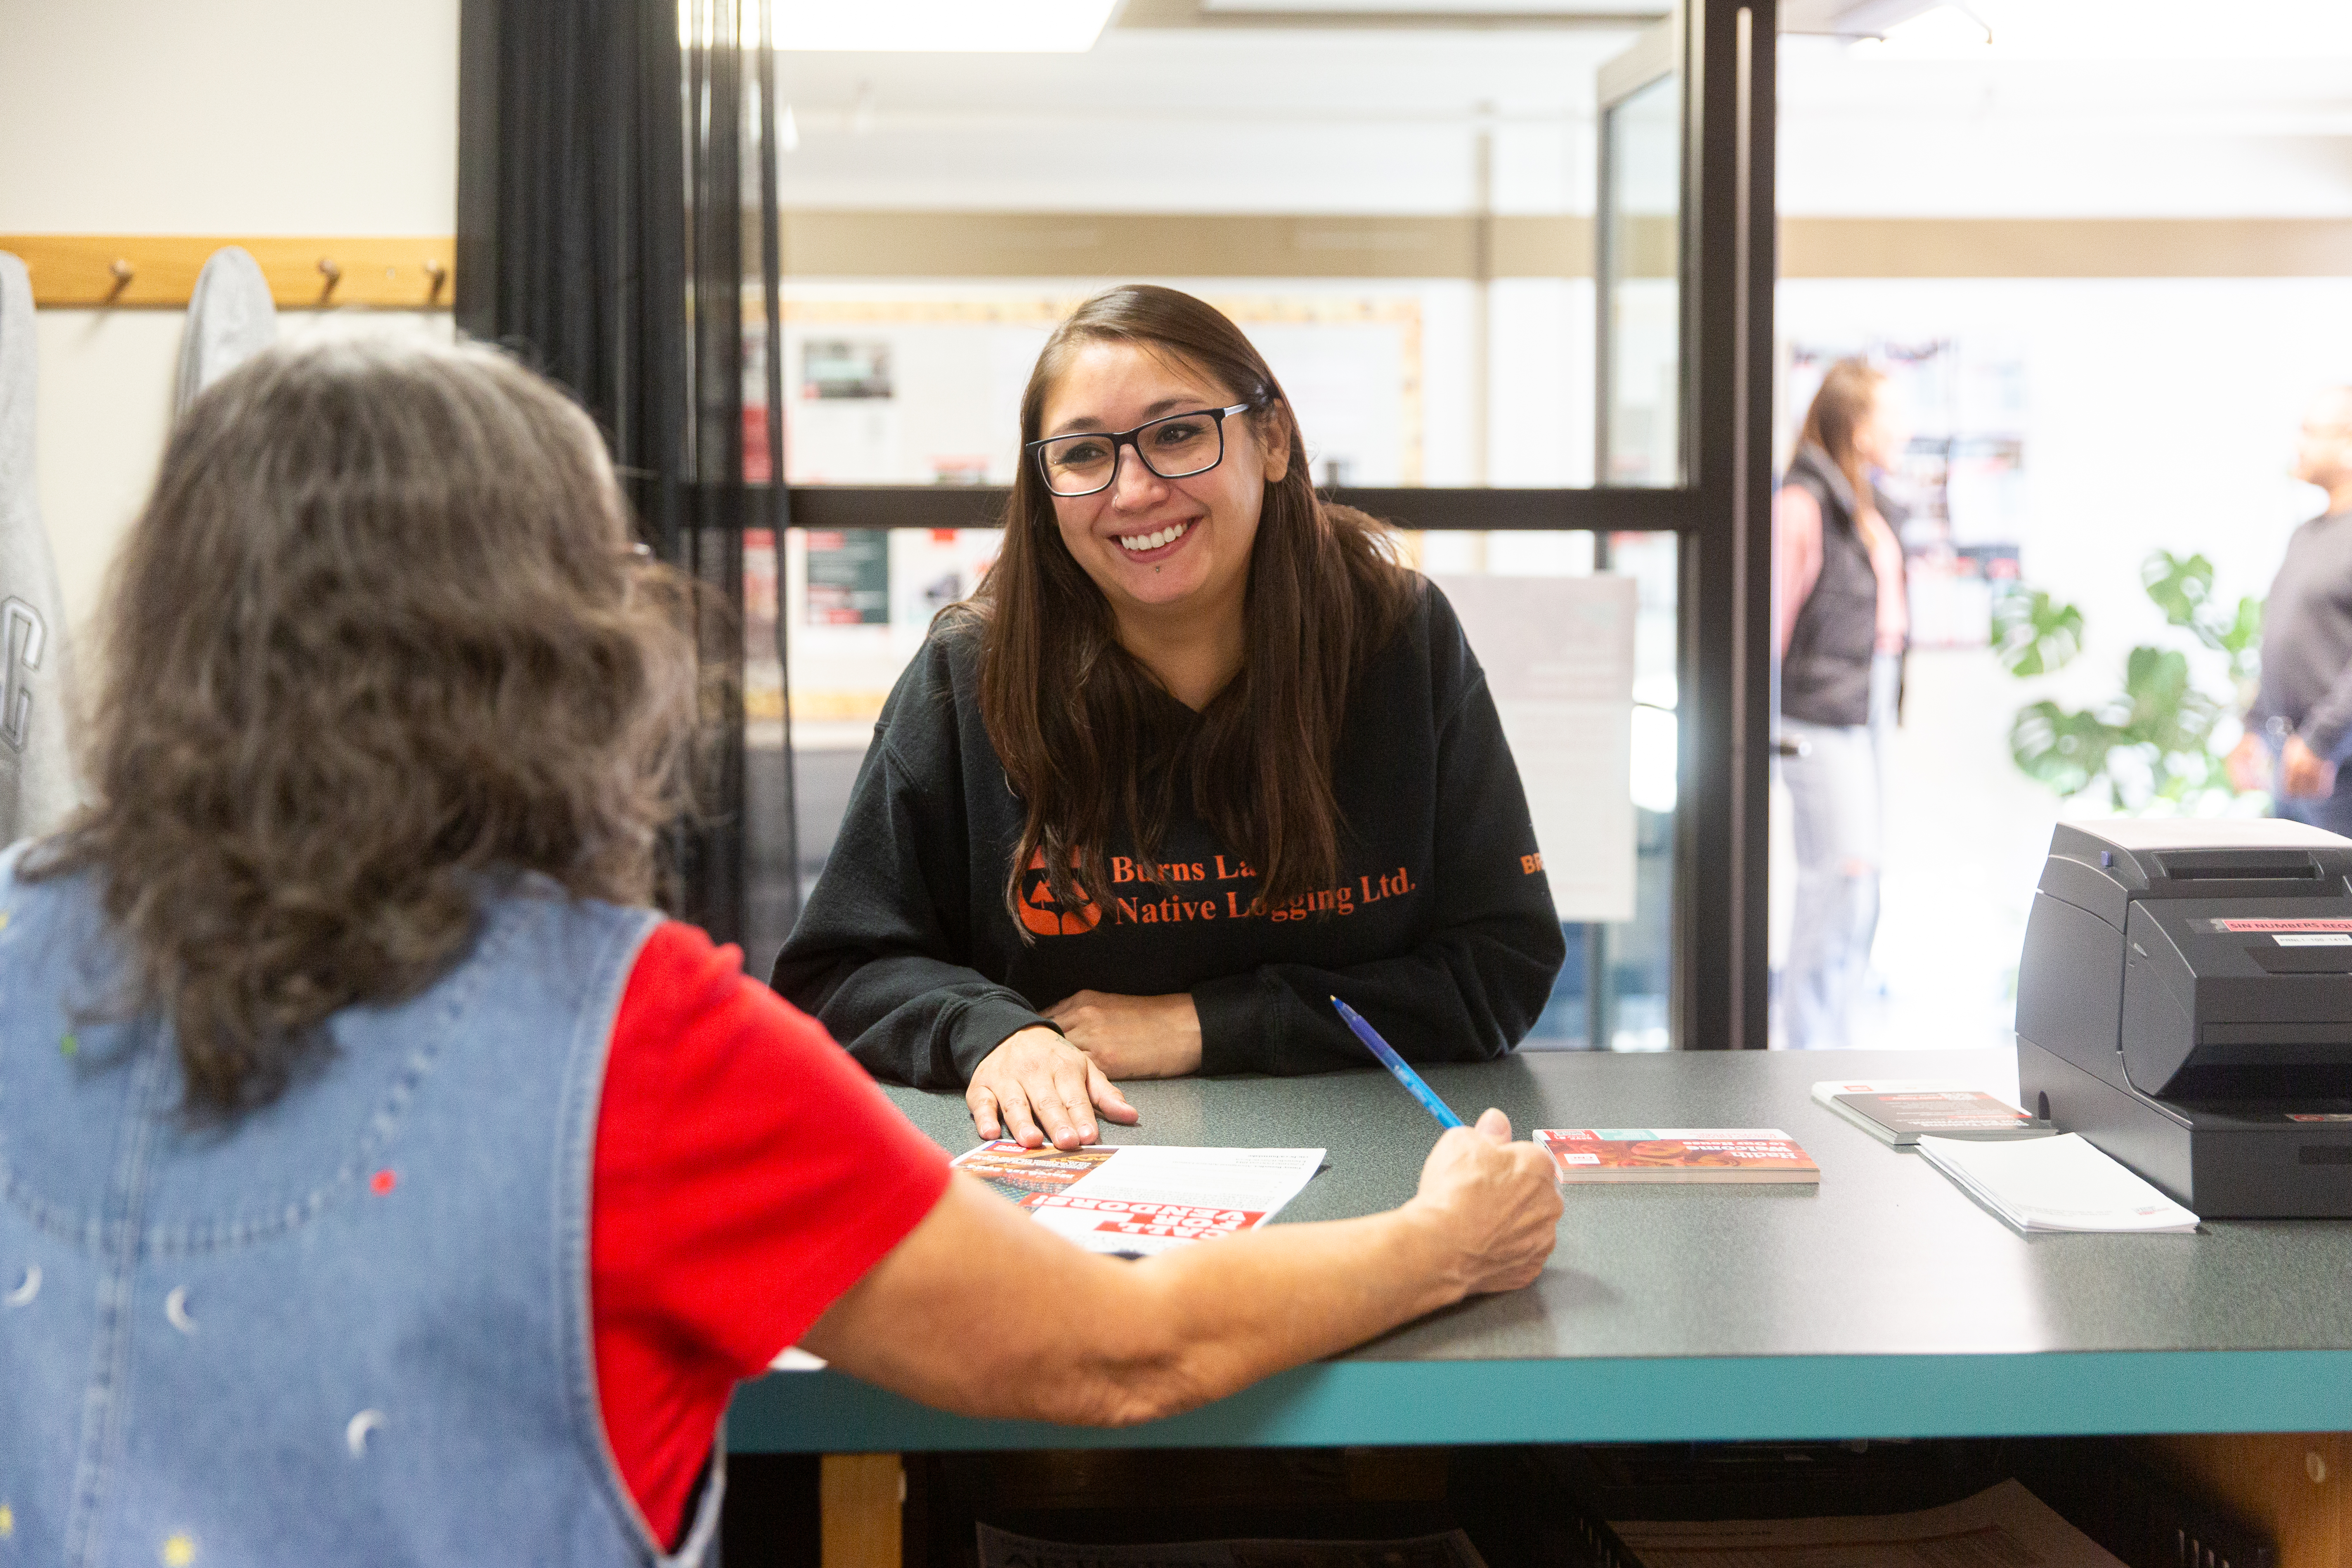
1900	1112
1002	1548
1134	1199
2055	1184
1678	1154
2005	1525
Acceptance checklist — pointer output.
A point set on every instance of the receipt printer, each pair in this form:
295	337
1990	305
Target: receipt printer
2185	1002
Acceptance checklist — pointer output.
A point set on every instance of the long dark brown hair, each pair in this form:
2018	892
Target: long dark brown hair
379	632
1082	727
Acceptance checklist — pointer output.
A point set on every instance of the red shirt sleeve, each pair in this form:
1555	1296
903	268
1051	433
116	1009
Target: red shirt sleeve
747	1172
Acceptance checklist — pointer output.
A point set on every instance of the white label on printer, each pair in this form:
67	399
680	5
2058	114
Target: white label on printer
2271	925
2329	939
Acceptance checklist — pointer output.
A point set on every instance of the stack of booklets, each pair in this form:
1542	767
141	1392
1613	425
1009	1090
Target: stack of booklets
1678	1154
2003	1527
1141	1198
1002	1548
1900	1111
2055	1184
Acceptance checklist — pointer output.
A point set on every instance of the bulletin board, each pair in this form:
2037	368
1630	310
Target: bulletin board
927	391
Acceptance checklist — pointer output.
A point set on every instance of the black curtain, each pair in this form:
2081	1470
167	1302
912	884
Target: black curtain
601	204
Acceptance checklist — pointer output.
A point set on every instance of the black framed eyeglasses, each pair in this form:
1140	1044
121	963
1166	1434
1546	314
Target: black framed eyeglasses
1173	447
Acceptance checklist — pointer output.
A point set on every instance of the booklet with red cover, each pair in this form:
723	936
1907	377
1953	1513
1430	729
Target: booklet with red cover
1678	1154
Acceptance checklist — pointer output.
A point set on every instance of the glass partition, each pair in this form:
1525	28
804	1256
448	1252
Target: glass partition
1640	246
2104	351
1458	246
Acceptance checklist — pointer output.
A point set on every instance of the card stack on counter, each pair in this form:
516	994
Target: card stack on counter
1900	1111
1141	1198
2055	1184
1678	1154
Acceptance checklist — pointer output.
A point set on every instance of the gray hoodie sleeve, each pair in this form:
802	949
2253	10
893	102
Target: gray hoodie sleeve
38	786
231	317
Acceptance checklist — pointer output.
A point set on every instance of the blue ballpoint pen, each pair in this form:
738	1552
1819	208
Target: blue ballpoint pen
1396	1064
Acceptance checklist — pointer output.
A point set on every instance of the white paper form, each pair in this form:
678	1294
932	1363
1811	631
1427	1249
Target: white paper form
1558	657
2055	1184
1142	1198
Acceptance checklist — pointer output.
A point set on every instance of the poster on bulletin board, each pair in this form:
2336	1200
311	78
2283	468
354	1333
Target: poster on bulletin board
1558	657
848	578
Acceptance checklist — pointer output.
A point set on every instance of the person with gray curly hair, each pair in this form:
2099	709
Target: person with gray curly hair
381	1179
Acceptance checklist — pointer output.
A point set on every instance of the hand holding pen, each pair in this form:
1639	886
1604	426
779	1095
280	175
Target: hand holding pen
1493	1124
1477	1175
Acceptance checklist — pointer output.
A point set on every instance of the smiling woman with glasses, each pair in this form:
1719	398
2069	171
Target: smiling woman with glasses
1199	755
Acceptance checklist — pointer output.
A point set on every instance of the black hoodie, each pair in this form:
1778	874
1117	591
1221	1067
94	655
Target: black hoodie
1439	929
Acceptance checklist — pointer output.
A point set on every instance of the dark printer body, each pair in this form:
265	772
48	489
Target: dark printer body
2184	1001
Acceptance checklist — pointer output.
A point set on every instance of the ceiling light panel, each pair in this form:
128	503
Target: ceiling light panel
1445	7
924	27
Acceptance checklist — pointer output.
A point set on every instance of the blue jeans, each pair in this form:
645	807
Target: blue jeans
1837	789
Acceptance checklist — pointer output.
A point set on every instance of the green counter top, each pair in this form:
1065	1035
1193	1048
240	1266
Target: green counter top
1882	1303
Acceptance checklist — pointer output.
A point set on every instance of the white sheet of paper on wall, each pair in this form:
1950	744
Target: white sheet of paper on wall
1558	657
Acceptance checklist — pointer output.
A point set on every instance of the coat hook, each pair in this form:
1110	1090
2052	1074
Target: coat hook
333	271
436	275
122	272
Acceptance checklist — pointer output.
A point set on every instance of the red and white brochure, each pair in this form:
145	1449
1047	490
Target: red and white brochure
1678	1154
1139	1198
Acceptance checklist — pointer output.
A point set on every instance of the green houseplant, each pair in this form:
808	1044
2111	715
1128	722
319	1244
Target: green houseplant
2151	745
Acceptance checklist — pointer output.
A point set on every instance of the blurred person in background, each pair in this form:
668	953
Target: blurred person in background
2300	727
1841	624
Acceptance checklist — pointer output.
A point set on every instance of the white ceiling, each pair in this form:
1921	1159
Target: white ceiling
2081	107
1439	8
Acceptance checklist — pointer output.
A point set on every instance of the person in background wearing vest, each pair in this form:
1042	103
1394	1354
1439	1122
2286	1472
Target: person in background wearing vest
1841	624
2300	728
380	1180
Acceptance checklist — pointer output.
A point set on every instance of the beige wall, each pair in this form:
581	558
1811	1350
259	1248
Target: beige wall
232	117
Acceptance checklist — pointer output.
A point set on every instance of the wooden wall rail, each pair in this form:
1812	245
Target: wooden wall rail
400	273
159	271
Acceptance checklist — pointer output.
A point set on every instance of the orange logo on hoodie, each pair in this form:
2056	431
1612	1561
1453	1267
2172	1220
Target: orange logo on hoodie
1048	916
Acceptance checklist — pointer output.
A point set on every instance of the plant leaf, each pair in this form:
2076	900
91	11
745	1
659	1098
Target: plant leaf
2180	587
2034	634
2065	751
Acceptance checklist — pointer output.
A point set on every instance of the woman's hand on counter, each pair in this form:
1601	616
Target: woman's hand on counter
1133	1036
1038	1087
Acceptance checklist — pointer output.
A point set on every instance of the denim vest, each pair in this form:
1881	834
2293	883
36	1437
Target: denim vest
353	1326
